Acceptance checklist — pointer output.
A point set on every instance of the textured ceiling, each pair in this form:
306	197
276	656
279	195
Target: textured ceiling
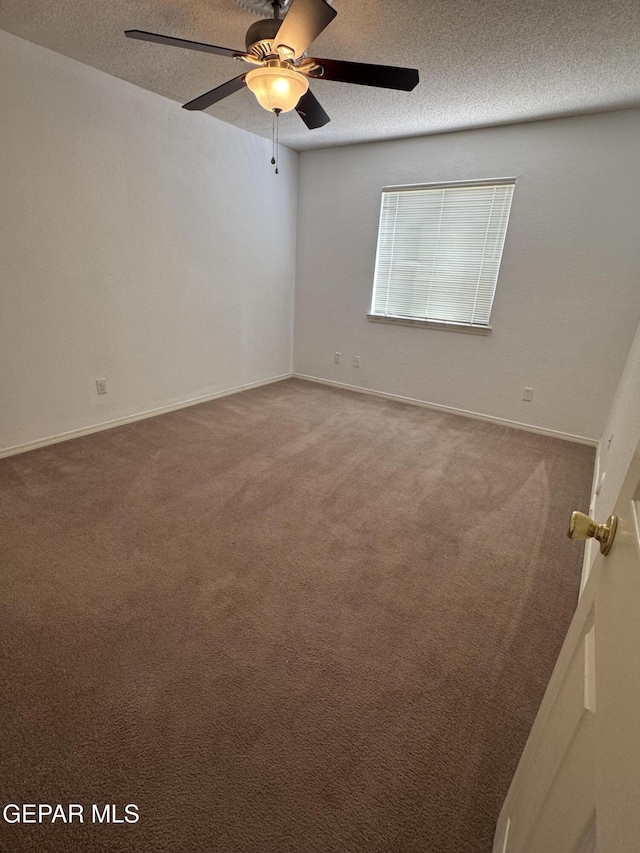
480	62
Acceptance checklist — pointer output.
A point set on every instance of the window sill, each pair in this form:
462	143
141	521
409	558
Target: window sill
431	324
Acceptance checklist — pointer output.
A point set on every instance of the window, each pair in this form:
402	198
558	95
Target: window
439	251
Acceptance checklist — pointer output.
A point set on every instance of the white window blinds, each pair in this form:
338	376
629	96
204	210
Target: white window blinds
439	251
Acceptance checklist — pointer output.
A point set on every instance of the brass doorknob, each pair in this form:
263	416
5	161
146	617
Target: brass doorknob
583	527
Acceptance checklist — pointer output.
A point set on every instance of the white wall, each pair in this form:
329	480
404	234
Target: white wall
620	438
618	443
623	427
138	242
568	300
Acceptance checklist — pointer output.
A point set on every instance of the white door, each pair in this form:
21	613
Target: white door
577	786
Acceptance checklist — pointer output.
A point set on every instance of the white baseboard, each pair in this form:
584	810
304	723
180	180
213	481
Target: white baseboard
139	416
579	439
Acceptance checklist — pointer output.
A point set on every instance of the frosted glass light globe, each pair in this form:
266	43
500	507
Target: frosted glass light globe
277	88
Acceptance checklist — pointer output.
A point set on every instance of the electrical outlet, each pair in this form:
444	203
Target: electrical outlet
337	357
101	385
528	395
356	361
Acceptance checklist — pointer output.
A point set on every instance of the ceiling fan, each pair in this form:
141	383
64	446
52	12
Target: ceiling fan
278	48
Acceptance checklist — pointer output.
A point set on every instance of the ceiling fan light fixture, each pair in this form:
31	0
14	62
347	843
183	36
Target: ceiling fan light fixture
277	88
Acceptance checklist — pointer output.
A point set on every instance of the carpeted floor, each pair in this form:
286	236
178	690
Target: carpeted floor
291	620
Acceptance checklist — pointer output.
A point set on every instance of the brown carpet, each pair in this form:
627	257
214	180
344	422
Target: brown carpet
295	619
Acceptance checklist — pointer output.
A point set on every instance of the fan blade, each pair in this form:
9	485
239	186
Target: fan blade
216	94
303	23
191	45
311	112
383	76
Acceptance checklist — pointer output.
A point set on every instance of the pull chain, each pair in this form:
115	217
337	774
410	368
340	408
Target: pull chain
275	138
